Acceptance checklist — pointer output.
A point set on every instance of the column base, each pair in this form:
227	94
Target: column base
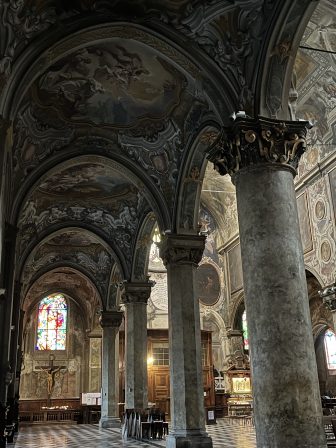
109	422
188	439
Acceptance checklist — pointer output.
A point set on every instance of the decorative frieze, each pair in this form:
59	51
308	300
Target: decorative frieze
252	141
182	249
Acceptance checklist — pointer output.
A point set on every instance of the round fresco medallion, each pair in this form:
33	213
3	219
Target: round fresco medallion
320	210
207	284
325	251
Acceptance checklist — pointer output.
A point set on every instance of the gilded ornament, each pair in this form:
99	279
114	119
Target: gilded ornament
250	136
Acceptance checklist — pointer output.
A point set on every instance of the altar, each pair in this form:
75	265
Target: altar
240	402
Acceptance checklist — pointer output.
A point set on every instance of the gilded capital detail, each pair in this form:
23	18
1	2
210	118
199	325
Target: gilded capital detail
182	249
252	141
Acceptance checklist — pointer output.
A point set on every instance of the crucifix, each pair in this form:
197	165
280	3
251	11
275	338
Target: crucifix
50	370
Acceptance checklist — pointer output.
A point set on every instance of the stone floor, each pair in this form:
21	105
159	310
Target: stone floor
224	435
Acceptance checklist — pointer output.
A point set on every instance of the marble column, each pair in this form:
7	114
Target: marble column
181	255
135	296
110	322
262	156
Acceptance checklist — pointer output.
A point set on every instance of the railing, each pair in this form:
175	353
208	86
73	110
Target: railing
50	416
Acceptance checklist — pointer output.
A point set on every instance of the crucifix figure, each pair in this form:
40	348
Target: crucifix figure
50	370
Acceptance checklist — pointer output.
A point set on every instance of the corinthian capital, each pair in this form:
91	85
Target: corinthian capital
255	141
136	292
182	249
111	318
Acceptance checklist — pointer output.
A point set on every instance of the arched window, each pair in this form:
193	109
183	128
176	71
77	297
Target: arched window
245	332
51	323
330	349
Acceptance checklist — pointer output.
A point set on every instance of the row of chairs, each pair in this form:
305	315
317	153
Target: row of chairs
144	424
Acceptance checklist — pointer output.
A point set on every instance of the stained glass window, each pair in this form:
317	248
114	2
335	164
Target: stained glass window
330	349
51	324
245	332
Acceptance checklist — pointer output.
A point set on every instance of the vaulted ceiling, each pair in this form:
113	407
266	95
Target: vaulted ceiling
108	105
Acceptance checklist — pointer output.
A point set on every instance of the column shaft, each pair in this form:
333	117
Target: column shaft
110	321
135	296
287	402
262	155
181	256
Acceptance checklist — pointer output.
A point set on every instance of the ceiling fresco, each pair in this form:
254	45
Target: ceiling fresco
87	180
116	83
87	194
315	82
67	248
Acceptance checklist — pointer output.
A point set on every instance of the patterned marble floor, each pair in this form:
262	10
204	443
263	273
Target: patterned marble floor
224	435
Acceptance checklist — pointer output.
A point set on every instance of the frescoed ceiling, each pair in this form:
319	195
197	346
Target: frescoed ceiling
75	248
86	194
123	91
315	84
116	83
315	80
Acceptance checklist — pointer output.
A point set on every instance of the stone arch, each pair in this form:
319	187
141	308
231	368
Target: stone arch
122	165
237	310
278	58
55	46
35	293
54	231
70	265
191	179
143	245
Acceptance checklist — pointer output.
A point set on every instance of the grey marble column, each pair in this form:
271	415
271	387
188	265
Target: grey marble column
110	322
135	296
262	156
181	255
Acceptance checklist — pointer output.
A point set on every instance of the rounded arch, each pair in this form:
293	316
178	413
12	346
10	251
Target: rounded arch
191	179
237	311
122	165
315	274
84	293
143	245
60	228
277	62
54	46
61	264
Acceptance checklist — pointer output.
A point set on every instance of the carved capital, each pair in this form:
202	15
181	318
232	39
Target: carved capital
111	319
136	292
328	295
182	249
251	142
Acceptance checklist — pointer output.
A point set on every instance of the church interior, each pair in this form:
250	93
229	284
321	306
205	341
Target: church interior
167	223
